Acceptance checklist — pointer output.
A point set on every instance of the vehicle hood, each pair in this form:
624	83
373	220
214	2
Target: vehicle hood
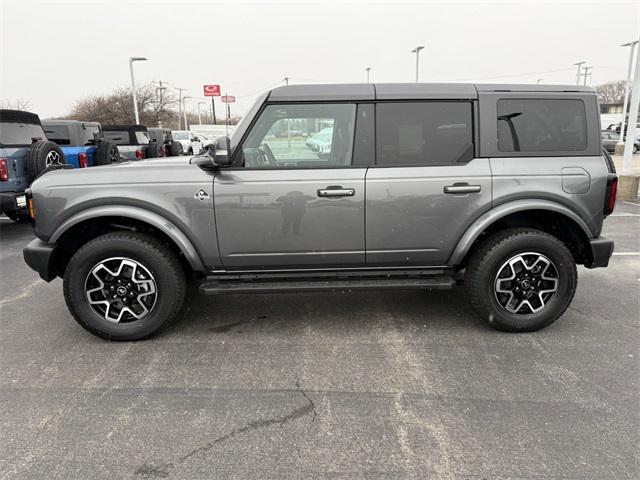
135	172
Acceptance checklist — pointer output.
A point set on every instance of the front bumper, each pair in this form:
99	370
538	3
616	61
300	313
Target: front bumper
40	256
12	201
599	252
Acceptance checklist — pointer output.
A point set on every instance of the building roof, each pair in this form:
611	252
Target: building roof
399	91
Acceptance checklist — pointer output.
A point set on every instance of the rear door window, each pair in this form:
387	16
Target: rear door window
424	133
117	137
541	125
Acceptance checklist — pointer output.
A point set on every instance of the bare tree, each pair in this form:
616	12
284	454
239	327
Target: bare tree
611	92
17	104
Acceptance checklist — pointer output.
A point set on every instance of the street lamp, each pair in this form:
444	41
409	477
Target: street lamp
632	46
199	114
417	52
368	69
133	85
184	111
179	105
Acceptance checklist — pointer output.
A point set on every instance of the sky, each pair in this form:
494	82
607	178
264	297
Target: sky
54	53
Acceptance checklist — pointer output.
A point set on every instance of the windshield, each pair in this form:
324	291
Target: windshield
181	135
15	134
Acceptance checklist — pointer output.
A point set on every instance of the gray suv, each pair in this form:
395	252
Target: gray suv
501	187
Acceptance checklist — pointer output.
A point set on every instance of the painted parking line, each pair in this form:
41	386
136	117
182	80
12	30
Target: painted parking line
631	203
625	215
626	254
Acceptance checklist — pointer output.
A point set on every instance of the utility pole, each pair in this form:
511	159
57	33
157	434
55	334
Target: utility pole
586	74
368	69
634	107
579	64
286	80
184	111
417	52
632	46
538	82
180	106
199	115
160	94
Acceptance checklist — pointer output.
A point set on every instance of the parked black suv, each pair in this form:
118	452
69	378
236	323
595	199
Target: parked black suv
164	138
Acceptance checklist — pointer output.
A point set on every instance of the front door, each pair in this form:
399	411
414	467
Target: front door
426	187
294	200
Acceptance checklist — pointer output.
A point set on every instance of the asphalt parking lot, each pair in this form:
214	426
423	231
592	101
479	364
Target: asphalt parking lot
341	386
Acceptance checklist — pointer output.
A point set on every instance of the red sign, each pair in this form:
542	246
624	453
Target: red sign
227	99
212	90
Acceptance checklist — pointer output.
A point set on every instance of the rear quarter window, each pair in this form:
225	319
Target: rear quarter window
541	125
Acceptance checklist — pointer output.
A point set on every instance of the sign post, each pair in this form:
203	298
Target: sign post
212	91
228	99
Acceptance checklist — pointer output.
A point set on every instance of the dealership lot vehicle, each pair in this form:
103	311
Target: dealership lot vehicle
81	142
190	141
132	140
164	138
610	138
25	152
438	163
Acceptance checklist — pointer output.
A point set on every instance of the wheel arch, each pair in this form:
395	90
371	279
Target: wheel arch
544	215
90	223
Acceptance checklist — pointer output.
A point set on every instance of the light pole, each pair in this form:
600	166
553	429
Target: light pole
286	80
368	69
417	52
199	114
579	64
634	108
180	106
184	111
133	85
632	46
538	82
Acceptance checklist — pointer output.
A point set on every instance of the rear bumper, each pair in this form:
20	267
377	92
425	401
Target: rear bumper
10	201
599	253
40	257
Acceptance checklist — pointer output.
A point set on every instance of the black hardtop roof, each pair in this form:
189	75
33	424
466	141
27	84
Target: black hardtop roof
125	128
19	116
405	91
68	122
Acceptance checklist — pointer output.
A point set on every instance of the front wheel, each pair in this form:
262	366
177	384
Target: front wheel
124	285
521	280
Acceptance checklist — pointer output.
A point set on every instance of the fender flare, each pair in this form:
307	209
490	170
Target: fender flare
153	219
488	218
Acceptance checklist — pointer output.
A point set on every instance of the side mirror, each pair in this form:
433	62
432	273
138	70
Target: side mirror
221	151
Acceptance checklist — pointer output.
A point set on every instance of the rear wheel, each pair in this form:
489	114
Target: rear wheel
107	153
176	149
521	280
42	155
124	286
154	150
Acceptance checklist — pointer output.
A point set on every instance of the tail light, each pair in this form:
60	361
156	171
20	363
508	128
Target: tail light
4	170
139	155
82	160
30	208
610	197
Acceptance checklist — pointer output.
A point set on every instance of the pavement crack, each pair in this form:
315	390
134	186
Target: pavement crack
161	470
313	405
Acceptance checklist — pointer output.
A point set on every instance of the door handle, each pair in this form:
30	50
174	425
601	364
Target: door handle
336	191
461	188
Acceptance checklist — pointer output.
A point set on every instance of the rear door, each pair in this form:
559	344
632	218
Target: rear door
287	205
427	185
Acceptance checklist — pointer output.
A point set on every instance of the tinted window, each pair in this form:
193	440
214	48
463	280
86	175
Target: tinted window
19	134
425	133
539	125
58	134
298	136
119	138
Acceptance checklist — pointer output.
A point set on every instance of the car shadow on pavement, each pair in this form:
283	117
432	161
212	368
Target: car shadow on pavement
325	312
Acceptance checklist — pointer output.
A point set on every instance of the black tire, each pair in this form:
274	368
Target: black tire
153	150
176	149
43	154
635	148
107	153
190	151
489	259
156	260
18	216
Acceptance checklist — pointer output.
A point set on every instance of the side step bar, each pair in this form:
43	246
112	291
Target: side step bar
216	287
